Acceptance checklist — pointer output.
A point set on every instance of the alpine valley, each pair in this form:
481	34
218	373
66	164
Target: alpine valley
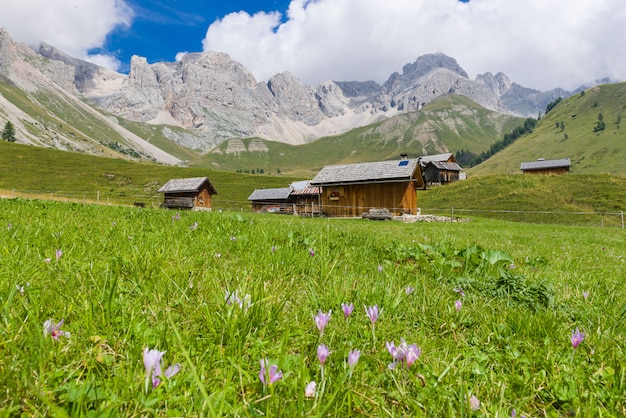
206	107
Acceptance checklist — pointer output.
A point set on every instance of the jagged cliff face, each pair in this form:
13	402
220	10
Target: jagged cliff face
207	98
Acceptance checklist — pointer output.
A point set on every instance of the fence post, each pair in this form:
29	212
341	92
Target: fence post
622	214
452	215
98	197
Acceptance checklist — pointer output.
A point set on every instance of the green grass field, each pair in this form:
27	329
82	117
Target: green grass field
493	306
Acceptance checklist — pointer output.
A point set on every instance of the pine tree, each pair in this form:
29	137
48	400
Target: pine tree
8	134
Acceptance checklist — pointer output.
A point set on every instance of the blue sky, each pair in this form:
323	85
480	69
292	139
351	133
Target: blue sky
537	43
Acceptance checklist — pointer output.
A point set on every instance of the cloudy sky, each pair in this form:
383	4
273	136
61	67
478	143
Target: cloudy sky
540	44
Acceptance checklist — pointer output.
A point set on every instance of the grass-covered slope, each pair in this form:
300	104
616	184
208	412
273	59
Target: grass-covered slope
515	197
450	122
569	130
492	307
29	168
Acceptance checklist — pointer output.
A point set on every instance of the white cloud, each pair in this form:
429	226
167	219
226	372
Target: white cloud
537	43
74	27
180	55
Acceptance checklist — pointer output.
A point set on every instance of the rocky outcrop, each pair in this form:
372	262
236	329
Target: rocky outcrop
207	98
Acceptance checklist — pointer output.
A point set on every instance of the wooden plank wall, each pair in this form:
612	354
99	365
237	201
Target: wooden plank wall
355	199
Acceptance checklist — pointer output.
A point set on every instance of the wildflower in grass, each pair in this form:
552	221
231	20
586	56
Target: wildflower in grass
309	390
176	217
474	403
347	309
272	375
233	238
321	320
9	226
372	313
152	361
194	226
47	260
458	305
409	290
58	254
512	266
311	252
577	337
54	330
380	268
353	358
459	291
402	354
218	255
233	298
273	248
322	353
585	294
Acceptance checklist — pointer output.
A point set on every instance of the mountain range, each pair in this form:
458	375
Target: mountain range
171	111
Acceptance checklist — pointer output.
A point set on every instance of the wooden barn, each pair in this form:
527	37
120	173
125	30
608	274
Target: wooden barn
190	193
271	200
542	166
300	198
440	169
352	189
306	198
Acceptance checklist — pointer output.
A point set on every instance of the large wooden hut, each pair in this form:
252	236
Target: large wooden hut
189	193
541	166
352	189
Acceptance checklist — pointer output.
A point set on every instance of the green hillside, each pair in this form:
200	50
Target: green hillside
59	173
531	198
570	130
450	122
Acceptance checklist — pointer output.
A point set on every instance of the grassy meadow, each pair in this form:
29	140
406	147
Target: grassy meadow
503	316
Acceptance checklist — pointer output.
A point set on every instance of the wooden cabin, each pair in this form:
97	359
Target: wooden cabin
541	166
440	169
352	189
271	200
305	198
300	198
190	193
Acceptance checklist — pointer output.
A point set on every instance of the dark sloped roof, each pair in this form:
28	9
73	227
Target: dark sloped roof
271	194
192	184
543	164
444	165
436	157
376	172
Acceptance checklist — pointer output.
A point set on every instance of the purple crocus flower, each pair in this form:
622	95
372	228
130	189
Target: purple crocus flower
309	391
585	294
311	252
458	305
54	330
380	269
459	291
58	254
403	353
577	337
194	226
347	309
322	353
372	313
321	320
273	375
353	357
474	403
152	361
409	290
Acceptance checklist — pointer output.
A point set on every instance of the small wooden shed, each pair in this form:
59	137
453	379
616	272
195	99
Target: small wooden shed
189	193
271	200
541	166
352	189
440	169
306	198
